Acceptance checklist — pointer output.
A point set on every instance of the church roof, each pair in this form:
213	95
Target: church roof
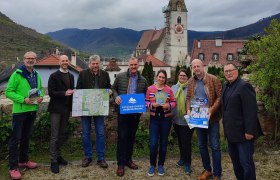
173	5
150	58
150	39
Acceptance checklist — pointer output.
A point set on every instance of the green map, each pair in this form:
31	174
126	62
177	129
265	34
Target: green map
90	102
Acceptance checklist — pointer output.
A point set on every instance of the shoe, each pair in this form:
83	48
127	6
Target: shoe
151	171
86	162
28	164
102	163
54	167
187	169
161	170
61	161
131	165
205	175
217	178
180	163
120	171
15	174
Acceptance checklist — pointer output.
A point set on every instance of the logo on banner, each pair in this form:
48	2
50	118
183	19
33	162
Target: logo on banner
132	101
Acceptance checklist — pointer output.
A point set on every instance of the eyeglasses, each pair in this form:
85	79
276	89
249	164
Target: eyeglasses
30	58
229	71
182	75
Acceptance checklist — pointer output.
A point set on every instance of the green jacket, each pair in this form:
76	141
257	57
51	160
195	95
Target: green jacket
17	90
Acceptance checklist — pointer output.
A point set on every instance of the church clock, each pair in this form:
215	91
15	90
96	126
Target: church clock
179	29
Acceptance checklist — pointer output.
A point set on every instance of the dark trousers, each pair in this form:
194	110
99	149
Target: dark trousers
21	132
127	127
184	134
59	123
241	154
159	131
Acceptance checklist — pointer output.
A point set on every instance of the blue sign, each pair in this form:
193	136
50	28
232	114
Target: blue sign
132	103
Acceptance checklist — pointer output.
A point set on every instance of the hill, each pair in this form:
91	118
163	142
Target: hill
104	41
15	40
121	42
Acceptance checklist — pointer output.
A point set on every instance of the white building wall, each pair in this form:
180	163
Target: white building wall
45	74
159	54
178	42
124	68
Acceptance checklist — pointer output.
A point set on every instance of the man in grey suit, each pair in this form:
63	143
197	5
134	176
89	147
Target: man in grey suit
240	121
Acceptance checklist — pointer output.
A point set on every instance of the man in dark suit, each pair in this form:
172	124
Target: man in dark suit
240	121
60	87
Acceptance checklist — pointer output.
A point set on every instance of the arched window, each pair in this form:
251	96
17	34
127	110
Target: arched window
179	20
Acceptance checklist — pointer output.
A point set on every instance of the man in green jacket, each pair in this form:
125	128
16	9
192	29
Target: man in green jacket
25	90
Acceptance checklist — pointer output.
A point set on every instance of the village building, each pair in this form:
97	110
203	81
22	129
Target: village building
218	52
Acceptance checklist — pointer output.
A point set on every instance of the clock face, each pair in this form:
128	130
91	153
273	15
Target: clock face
179	29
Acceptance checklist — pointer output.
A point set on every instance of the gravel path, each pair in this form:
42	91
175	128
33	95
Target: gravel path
267	165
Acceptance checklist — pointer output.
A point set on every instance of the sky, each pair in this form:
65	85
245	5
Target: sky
203	15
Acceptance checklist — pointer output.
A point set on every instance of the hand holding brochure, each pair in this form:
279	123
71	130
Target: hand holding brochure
34	94
199	113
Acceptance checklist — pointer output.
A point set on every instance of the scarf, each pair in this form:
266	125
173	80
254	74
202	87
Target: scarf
180	99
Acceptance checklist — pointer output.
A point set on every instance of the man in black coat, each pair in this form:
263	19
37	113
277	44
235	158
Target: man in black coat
60	87
240	121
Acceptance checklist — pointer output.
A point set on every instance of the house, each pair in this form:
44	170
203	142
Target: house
113	67
50	64
217	52
45	67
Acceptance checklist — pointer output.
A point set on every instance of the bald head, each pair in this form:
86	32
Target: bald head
64	62
198	68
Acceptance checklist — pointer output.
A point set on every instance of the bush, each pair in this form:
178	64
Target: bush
40	135
5	130
42	131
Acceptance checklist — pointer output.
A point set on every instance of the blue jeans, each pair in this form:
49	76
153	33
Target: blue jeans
241	154
159	131
213	132
21	132
100	137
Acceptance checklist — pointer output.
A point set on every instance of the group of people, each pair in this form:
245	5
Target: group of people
235	103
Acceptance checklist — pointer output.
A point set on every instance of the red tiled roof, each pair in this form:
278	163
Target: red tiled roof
155	62
148	37
208	47
53	60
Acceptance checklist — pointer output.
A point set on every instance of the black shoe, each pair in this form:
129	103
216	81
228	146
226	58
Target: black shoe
61	161
102	163
86	162
54	167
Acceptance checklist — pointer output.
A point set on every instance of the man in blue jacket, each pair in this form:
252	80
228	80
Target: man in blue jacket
25	90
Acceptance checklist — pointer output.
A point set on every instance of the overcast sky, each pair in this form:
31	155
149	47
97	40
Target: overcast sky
203	15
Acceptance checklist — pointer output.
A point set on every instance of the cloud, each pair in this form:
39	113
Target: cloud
203	15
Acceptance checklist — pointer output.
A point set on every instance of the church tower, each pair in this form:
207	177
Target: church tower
176	40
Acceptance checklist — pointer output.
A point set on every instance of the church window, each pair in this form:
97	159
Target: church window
179	20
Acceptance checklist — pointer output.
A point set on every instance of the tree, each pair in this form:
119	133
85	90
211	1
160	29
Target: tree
148	72
151	73
265	69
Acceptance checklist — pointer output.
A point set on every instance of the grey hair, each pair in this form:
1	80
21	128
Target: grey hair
94	58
